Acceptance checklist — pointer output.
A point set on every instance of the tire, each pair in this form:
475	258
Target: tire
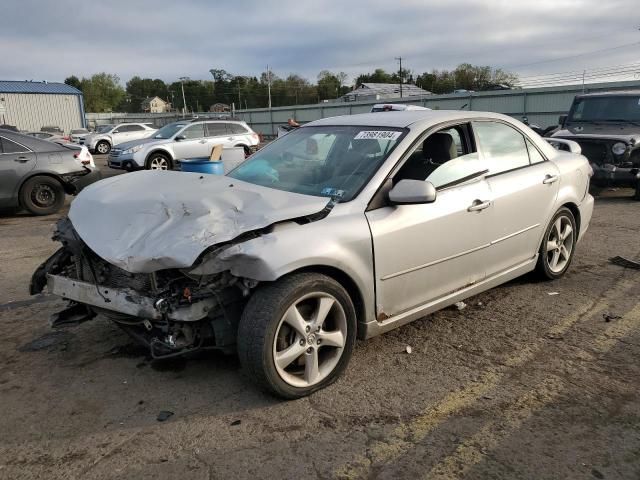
558	245
42	195
247	150
103	147
158	161
266	331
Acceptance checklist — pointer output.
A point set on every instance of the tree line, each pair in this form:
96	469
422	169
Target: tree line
103	92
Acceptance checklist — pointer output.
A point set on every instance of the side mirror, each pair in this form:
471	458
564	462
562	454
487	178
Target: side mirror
180	138
561	120
412	192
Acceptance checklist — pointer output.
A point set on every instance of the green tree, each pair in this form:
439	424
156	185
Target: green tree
73	81
102	92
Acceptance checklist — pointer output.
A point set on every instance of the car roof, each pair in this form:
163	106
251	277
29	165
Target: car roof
402	119
614	93
33	143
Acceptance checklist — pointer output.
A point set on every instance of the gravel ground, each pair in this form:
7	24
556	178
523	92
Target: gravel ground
520	384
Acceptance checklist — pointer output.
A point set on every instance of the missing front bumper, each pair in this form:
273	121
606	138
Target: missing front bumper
125	301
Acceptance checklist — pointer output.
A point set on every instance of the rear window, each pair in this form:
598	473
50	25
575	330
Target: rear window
236	129
9	146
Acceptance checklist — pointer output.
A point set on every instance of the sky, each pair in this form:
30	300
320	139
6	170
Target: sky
167	39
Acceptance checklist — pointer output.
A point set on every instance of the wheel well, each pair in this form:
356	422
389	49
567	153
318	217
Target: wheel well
343	279
50	175
576	213
103	140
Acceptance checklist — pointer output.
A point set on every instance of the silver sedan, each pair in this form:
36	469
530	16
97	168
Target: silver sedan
346	227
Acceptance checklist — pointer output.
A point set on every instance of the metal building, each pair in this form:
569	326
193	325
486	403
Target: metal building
33	105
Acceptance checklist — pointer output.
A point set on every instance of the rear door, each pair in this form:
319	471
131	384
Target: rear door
524	186
16	160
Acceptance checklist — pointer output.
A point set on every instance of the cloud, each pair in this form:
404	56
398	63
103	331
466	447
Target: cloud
168	39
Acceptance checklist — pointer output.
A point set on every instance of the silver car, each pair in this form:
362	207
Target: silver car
346	227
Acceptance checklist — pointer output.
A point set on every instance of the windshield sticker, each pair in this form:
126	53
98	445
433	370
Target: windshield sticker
332	192
378	135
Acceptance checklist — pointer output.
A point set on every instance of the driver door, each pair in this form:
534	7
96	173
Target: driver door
425	252
193	144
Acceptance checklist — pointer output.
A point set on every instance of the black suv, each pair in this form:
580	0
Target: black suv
607	128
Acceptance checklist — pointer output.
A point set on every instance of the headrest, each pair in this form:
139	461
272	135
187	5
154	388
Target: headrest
439	147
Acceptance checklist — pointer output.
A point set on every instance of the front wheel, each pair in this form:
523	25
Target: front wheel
103	147
296	335
558	245
158	161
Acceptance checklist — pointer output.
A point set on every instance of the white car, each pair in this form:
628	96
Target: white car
77	134
184	139
106	136
395	107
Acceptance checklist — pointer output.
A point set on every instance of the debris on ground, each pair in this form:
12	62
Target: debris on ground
460	305
236	422
608	317
164	415
408	349
625	262
553	293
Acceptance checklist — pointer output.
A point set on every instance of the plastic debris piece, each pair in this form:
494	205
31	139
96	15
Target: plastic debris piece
460	305
625	262
408	349
608	317
164	415
236	422
553	293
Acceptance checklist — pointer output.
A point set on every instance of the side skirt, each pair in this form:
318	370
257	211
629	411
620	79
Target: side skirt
373	328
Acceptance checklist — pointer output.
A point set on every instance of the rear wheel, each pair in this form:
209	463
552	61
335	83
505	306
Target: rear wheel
159	161
297	335
558	245
103	147
42	195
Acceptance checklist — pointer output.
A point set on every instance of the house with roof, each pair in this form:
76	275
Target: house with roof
33	105
155	105
383	91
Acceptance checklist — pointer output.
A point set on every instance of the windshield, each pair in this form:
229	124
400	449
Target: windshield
169	131
322	161
104	128
611	108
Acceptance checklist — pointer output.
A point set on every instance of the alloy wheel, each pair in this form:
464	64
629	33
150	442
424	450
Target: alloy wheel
310	339
158	163
559	244
102	148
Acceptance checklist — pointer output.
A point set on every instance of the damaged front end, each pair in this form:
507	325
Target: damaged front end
170	311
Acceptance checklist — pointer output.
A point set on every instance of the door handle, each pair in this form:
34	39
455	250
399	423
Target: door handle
202	141
549	179
478	205
229	138
21	159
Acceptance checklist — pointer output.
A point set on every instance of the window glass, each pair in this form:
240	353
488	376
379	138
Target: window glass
216	129
442	158
236	129
134	128
327	161
194	131
502	146
9	146
534	155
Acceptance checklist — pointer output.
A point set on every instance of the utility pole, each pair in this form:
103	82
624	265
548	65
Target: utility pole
184	101
583	74
269	84
400	74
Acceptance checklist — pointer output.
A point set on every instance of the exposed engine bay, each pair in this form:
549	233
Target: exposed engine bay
170	311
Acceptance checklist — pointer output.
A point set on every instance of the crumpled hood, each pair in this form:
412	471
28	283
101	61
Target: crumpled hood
151	220
621	132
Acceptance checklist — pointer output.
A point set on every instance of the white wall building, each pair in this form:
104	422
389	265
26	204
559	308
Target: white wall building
33	105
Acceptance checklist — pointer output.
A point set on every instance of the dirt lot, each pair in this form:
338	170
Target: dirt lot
520	384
